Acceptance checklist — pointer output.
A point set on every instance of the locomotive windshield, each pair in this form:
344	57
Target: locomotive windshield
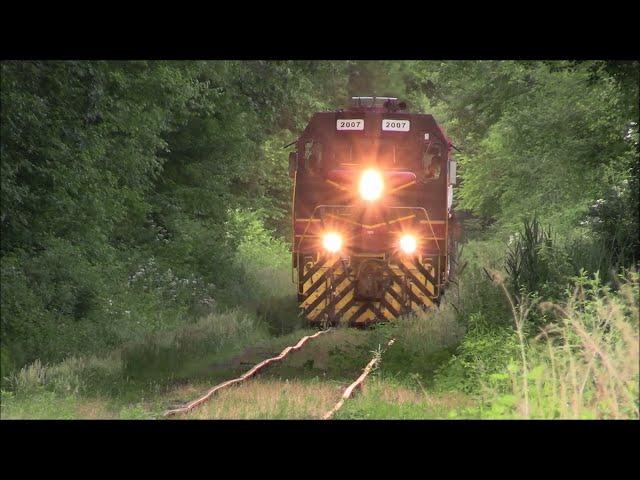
385	154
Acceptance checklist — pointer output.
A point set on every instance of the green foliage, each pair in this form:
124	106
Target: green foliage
536	262
545	137
614	220
121	187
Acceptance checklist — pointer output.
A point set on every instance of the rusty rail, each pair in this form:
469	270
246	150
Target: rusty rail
357	384
196	403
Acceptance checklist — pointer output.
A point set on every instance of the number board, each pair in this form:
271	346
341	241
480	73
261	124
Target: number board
350	124
390	125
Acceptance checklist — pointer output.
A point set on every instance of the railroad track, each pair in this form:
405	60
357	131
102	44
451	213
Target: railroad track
357	384
347	393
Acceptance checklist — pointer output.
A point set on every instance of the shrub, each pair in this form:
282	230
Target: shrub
485	349
614	220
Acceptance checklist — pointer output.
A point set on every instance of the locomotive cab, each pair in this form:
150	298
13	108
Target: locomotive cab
371	207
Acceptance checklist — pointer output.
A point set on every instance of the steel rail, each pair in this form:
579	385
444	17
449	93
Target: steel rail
348	392
196	403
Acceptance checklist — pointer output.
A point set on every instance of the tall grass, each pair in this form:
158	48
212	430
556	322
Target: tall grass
529	259
536	261
160	357
424	333
584	364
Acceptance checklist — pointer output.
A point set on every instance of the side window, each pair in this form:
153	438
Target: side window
316	155
432	161
307	154
313	156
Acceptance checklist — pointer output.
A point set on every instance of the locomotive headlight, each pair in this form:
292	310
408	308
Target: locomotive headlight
371	185
332	242
408	243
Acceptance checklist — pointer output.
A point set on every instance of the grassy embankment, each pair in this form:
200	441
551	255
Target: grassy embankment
133	379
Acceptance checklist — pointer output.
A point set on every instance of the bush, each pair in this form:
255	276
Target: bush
535	262
614	220
485	349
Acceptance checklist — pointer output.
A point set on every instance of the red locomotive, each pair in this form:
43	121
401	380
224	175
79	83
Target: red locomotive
372	198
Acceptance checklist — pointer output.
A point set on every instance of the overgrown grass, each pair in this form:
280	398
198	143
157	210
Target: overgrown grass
132	372
544	338
268	398
487	352
388	398
583	363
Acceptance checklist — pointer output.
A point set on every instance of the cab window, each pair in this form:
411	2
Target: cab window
432	158
313	156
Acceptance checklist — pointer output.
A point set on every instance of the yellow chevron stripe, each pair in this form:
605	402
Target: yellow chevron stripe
343	301
431	288
387	314
398	289
325	303
424	298
414	270
393	302
367	316
328	262
349	313
313	295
